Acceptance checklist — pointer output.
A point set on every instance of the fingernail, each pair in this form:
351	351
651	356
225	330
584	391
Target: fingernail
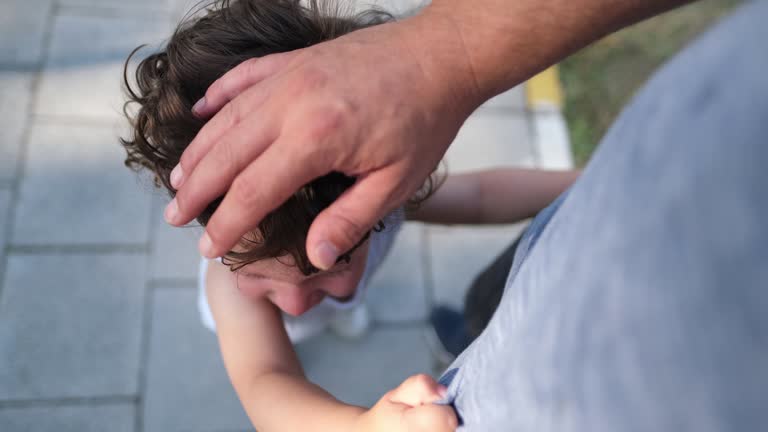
442	391
206	246
171	211
326	255
177	175
453	422
197	108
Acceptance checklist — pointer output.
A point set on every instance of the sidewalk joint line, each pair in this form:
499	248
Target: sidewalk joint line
144	352
60	249
21	155
18	67
68	401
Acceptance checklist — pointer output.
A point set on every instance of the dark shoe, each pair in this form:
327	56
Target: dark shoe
484	295
448	333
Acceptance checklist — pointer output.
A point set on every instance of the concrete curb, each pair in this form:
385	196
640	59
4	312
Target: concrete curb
544	98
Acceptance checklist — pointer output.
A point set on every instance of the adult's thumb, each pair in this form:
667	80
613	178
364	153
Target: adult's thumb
338	228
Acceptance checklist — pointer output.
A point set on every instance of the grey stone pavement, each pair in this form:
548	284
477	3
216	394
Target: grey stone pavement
98	325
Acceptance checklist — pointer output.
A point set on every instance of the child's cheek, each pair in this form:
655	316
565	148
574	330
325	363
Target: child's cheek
341	287
254	289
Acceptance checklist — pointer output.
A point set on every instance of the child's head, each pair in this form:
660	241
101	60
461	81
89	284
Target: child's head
169	82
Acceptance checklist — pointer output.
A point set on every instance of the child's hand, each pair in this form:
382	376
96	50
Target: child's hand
410	408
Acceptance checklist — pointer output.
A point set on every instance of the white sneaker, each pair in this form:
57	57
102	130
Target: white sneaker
352	323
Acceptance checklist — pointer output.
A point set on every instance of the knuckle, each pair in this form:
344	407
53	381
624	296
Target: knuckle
244	193
188	158
181	201
223	159
418	380
250	67
331	120
314	78
351	230
232	113
307	81
423	380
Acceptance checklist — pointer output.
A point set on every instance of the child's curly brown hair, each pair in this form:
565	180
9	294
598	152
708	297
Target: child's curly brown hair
200	51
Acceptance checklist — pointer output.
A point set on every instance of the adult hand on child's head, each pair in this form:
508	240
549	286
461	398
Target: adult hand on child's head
380	104
410	408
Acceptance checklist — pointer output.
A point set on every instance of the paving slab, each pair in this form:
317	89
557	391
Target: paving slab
360	372
70	325
82	418
76	190
491	139
22	29
458	254
15	89
186	385
174	252
85	79
397	292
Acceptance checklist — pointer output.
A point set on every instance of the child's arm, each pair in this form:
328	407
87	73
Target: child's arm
497	196
269	380
263	366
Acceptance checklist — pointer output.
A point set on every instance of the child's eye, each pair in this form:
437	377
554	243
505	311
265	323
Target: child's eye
250	275
337	272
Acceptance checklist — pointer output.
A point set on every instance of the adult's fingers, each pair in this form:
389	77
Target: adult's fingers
341	226
260	188
430	418
214	174
239	78
227	119
417	390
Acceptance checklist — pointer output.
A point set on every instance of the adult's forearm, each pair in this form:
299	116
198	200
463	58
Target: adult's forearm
504	42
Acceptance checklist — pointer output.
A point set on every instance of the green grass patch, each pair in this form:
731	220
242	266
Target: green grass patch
599	80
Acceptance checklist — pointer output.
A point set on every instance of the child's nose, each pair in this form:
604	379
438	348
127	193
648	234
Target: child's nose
297	301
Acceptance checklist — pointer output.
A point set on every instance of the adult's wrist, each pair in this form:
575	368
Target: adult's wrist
505	42
431	39
477	49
